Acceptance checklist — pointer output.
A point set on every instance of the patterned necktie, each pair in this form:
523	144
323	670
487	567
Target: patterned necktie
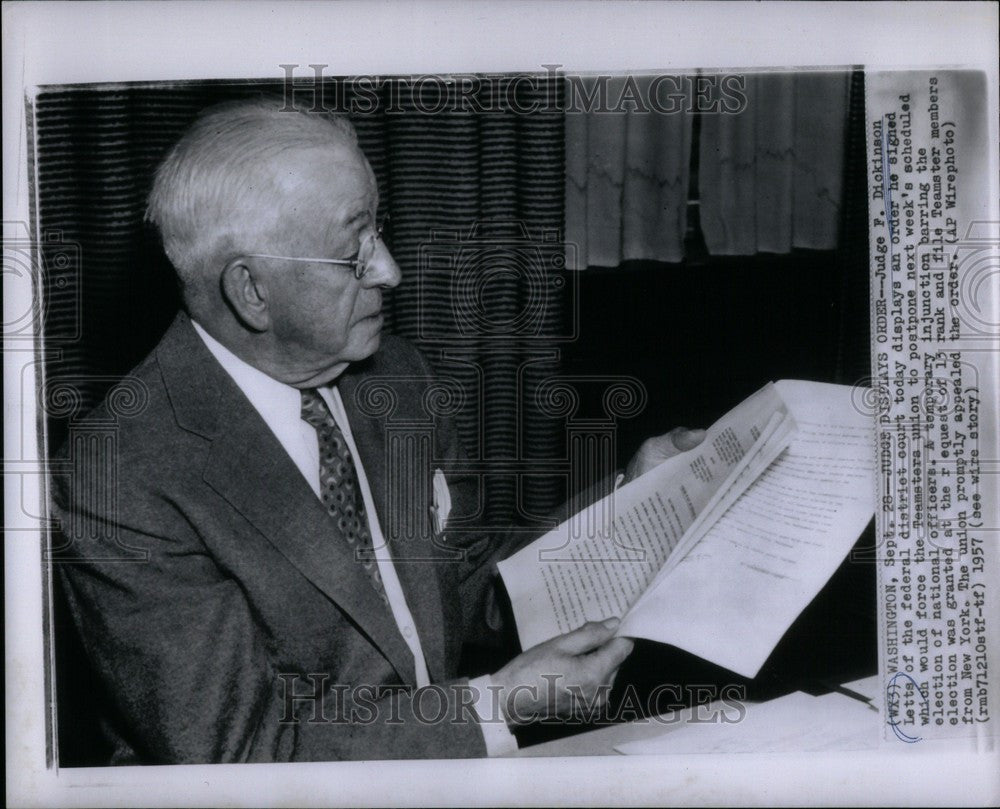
338	485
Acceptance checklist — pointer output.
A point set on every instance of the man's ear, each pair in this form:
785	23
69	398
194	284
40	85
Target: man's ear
246	294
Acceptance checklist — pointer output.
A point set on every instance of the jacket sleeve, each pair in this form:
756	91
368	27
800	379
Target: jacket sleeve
174	640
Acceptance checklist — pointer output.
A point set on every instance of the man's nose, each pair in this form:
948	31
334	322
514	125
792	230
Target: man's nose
382	270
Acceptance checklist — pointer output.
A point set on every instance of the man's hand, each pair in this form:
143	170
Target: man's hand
564	674
656	450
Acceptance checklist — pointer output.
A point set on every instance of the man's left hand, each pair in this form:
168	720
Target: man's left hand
657	449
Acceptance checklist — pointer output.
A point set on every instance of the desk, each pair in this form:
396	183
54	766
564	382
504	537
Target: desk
794	723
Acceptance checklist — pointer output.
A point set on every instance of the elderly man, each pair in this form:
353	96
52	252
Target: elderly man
245	605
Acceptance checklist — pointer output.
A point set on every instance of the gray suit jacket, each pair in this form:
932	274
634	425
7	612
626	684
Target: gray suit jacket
209	583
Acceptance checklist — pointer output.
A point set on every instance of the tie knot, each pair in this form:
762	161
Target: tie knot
314	409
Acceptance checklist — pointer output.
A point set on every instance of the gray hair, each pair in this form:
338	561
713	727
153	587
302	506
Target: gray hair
210	191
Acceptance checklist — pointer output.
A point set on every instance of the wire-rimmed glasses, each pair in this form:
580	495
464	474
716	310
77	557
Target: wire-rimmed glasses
359	263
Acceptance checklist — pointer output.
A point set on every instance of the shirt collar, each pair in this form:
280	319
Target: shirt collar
274	400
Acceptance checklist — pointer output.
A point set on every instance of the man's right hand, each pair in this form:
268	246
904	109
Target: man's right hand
561	675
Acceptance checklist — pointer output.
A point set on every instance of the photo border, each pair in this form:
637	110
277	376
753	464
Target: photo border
58	43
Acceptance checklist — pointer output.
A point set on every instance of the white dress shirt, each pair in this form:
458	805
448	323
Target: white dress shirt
280	406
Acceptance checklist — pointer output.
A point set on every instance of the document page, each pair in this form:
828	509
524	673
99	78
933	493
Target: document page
770	445
597	564
739	589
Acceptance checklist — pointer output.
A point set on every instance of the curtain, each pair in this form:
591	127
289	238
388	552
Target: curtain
770	177
769	174
854	347
457	184
627	171
477	220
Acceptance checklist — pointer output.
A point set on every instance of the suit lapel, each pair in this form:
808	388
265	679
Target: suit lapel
413	561
250	469
273	496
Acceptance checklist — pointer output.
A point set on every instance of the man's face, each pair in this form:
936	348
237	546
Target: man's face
322	317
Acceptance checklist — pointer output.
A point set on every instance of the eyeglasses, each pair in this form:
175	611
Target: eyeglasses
361	260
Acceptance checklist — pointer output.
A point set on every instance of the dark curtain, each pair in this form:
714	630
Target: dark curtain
854	345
